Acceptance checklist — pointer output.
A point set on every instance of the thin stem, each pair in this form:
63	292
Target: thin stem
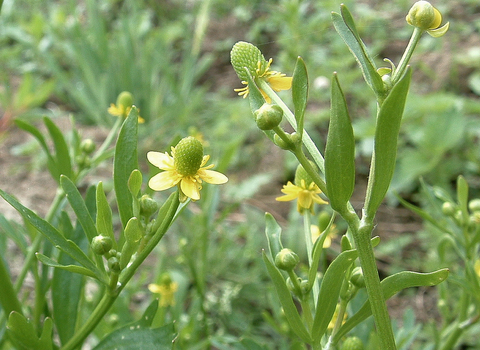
307	222
306	139
402	65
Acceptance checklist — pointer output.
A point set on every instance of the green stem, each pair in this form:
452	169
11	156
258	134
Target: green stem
307	222
303	160
306	139
111	295
362	232
402	65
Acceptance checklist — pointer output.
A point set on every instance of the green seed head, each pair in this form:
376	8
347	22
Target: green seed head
245	55
125	99
188	156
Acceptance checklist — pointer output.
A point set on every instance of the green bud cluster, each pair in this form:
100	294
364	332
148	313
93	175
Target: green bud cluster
188	156
245	55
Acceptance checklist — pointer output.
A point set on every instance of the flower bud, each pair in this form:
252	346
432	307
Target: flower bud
424	16
114	264
125	99
352	343
286	259
268	116
111	252
448	209
87	146
357	278
188	156
148	205
101	244
245	55
474	205
281	143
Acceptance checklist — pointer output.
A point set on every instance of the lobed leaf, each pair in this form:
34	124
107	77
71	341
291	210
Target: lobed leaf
339	151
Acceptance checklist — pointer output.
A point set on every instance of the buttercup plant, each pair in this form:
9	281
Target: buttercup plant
92	246
333	173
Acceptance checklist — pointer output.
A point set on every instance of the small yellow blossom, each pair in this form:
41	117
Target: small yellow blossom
123	106
426	17
306	195
167	292
332	322
277	81
185	167
332	233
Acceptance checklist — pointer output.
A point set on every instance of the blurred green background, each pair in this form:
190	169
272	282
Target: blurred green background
61	58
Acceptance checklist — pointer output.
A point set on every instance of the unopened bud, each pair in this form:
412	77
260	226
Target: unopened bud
268	116
87	146
286	259
474	205
352	343
148	205
424	16
101	244
114	264
448	209
357	278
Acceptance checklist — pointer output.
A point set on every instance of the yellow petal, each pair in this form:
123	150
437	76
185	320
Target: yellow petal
154	288
163	181
436	33
190	188
161	160
287	197
278	82
113	110
212	177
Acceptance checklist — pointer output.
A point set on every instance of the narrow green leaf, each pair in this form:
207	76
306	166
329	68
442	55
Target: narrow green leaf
24	335
391	286
385	150
67	287
345	27
51	163
139	335
339	151
72	268
255	96
104	215
133	234
135	182
300	92
62	155
329	291
291	312
79	207
273	231
52	234
125	161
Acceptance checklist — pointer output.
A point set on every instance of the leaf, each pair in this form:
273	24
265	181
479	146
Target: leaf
24	335
133	233
345	26
79	207
329	291
339	151
300	92
255	96
135	182
104	215
139	335
52	234
385	150
125	161
289	308
72	268
64	164
391	286
273	232
67	287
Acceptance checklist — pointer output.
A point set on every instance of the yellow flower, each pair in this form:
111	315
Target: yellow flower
185	167
166	291
247	56
277	81
332	233
123	106
306	195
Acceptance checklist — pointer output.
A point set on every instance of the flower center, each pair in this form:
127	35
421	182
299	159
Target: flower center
188	156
